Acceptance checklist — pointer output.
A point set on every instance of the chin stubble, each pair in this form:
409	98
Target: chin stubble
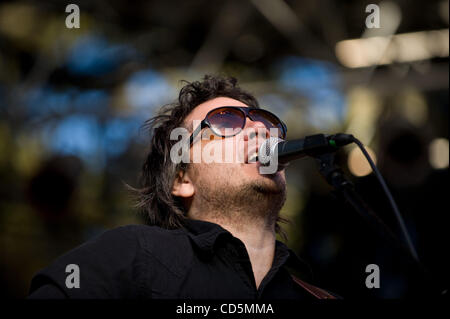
240	204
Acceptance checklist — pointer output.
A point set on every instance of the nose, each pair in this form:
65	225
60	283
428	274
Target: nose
255	128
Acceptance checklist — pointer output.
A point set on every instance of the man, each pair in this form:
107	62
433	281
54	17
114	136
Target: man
212	226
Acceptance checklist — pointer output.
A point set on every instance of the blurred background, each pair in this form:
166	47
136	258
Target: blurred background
72	102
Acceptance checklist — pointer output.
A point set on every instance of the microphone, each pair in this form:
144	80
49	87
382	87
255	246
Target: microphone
313	145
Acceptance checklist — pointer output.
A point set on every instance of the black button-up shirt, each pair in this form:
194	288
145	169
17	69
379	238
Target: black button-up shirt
200	261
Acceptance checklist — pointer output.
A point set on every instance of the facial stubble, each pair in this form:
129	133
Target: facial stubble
237	199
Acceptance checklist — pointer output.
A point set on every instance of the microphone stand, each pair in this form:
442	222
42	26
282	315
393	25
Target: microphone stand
345	188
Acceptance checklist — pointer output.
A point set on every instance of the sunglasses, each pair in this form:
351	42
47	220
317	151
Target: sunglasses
226	119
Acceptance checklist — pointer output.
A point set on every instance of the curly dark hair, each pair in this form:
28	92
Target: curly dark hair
155	198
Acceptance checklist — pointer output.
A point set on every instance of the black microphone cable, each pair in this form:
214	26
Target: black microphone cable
344	139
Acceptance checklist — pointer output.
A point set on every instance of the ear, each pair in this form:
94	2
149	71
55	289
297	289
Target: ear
182	186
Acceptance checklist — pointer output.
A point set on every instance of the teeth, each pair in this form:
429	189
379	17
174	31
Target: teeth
253	158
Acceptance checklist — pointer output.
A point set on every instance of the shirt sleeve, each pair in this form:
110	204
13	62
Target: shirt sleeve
47	291
108	266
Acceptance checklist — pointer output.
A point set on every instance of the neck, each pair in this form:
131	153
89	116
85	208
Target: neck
256	232
248	213
260	244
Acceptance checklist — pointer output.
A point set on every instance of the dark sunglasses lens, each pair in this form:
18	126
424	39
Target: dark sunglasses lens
269	120
226	121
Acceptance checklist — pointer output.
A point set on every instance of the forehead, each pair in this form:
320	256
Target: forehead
200	111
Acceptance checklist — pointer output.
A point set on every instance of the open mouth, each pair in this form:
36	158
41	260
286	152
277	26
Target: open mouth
253	157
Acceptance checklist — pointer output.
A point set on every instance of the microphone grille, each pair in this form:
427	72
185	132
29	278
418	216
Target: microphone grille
267	150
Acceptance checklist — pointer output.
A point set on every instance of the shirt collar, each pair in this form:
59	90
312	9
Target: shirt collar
295	265
205	234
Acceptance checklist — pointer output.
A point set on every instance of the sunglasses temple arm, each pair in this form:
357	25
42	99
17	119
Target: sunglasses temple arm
196	132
